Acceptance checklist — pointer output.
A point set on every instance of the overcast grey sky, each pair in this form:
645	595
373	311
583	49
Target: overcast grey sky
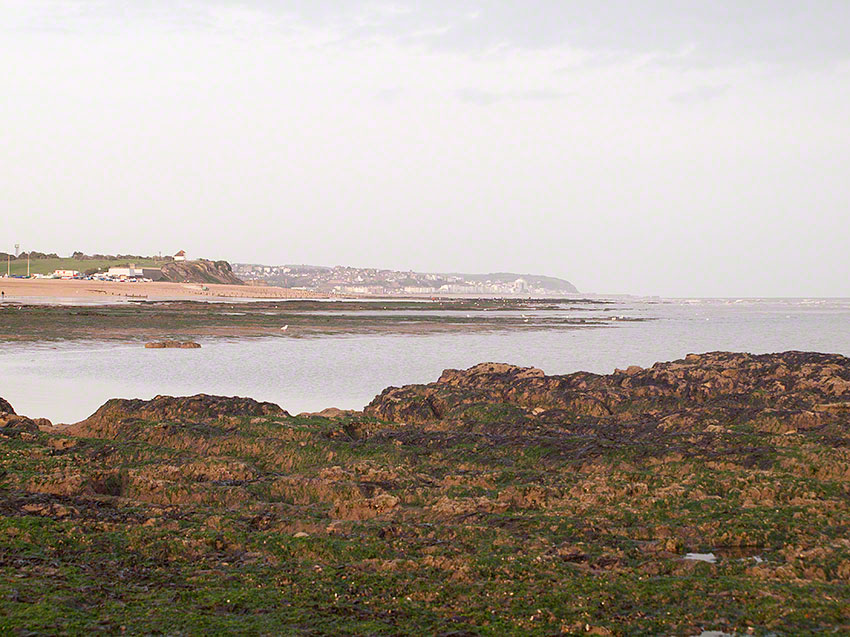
672	148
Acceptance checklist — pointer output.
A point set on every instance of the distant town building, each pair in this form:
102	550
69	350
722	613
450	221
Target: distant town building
415	289
180	256
348	280
66	274
462	289
360	289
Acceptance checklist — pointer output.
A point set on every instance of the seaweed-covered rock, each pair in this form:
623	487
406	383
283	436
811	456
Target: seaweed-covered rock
808	388
9	420
200	408
18	423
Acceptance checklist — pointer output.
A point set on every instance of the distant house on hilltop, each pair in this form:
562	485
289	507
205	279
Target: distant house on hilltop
180	256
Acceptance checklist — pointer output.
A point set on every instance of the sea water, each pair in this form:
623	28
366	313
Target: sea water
67	381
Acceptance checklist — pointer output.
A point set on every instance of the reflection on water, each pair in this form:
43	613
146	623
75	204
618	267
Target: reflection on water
66	382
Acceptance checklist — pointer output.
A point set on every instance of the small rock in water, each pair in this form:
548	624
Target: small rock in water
172	345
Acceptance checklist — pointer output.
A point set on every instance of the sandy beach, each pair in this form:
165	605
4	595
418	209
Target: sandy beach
25	289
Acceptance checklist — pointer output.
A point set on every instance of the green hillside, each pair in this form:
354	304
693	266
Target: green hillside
48	266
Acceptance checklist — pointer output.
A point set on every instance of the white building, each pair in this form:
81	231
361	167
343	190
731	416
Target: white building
453	288
360	289
129	272
415	289
180	256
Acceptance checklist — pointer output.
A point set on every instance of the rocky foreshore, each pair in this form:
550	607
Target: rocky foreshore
708	493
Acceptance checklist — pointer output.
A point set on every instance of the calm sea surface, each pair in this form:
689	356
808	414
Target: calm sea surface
67	381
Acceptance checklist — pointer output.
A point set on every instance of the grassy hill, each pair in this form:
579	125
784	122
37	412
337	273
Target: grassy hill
48	266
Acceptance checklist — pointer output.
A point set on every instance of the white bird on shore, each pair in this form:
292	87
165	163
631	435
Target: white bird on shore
283	329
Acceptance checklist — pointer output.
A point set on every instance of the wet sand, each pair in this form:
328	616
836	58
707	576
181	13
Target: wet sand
123	318
26	289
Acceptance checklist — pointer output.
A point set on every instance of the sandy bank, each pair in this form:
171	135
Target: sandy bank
57	288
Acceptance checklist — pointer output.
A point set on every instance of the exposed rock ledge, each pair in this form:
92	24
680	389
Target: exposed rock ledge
200	408
787	391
